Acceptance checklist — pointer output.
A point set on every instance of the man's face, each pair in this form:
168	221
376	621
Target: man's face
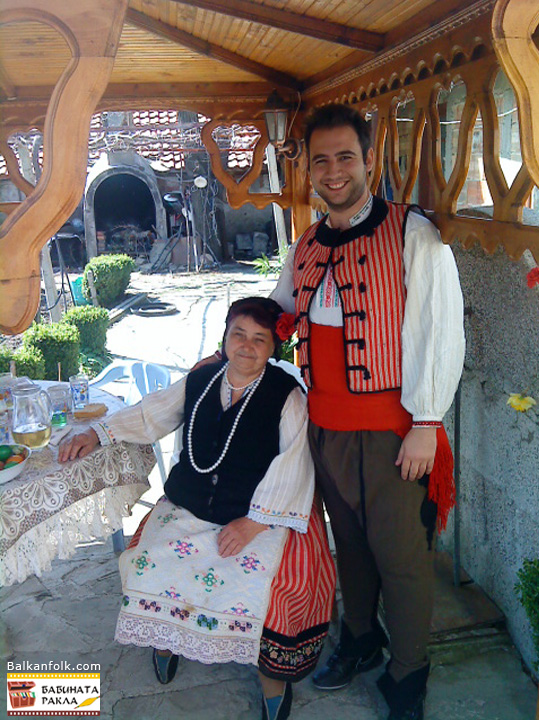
338	172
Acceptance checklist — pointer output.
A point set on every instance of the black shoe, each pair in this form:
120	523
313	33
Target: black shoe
340	669
283	711
406	699
165	666
413	713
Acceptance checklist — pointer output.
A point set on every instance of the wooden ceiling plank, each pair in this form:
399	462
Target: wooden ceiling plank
210	50
293	22
424	19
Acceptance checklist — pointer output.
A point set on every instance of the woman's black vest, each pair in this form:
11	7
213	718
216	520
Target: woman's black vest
225	493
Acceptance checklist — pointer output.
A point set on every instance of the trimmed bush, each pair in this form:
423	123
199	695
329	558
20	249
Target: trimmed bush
527	590
30	363
92	323
111	277
58	343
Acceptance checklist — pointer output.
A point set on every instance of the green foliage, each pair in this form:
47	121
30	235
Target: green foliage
268	266
286	351
111	277
91	364
58	343
527	590
29	363
92	323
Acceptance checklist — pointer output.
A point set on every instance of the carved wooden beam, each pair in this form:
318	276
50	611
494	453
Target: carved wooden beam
13	166
293	22
514	29
237	192
161	29
92	30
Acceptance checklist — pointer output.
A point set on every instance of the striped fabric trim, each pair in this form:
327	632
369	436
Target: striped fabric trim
136	537
301	602
303	590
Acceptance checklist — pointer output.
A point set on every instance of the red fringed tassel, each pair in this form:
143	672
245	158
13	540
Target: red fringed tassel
441	481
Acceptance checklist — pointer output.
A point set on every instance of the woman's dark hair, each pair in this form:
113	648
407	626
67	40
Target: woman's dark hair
263	311
337	115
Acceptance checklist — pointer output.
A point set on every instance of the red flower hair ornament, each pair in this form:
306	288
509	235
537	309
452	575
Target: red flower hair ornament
532	277
285	326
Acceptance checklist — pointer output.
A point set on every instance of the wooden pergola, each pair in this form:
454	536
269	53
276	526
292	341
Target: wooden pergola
63	61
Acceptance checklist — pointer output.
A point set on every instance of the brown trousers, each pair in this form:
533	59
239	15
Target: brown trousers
383	528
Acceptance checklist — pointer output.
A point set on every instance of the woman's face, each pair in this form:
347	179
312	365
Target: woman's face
248	346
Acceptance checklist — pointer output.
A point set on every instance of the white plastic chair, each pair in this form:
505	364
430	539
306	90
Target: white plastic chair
141	379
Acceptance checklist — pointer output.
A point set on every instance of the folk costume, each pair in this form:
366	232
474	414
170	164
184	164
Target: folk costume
270	605
380	324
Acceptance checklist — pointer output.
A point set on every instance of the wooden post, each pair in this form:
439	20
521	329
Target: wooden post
301	209
278	212
92	30
514	27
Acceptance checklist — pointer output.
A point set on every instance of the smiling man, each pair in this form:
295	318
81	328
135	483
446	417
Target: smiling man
380	323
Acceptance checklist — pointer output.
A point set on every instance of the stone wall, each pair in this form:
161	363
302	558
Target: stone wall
499	503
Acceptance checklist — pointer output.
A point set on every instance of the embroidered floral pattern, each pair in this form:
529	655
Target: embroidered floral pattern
143	562
180	613
210	580
240	609
165	518
125	600
241	625
298	661
172	594
210	623
152	605
250	563
183	548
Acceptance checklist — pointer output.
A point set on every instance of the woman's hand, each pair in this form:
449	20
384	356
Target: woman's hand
237	534
78	446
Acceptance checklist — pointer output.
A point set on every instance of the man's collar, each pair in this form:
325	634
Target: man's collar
361	214
332	237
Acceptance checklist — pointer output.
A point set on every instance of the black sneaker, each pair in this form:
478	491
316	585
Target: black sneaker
340	668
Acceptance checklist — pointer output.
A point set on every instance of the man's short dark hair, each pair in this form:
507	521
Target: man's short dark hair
337	115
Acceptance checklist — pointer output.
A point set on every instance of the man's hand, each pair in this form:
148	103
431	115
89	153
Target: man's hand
78	446
237	534
416	455
216	357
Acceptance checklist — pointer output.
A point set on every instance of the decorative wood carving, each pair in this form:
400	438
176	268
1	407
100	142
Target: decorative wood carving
238	192
514	29
13	165
423	72
92	30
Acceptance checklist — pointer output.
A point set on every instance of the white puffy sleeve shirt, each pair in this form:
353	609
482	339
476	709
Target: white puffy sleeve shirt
433	326
283	497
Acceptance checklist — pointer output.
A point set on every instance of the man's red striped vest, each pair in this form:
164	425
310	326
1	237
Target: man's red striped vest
369	274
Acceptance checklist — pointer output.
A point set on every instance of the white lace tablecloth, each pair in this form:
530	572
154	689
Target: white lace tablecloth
51	507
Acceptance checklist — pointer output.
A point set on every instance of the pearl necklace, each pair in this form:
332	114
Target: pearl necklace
252	390
243	387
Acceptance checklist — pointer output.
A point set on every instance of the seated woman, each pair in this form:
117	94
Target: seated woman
233	563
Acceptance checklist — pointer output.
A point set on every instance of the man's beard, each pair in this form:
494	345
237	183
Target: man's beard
356	192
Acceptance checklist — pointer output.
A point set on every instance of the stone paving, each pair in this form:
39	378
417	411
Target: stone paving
70	613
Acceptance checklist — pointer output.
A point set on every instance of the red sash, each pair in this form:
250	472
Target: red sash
334	407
